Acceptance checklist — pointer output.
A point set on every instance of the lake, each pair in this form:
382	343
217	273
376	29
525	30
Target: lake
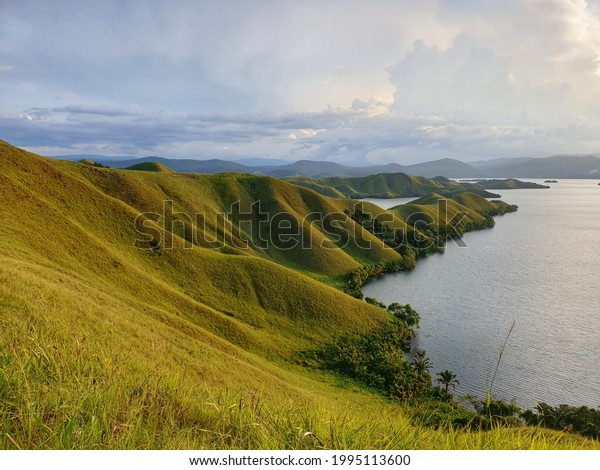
539	268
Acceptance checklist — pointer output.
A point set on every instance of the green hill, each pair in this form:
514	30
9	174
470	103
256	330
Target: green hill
150	166
483	206
387	185
89	161
171	342
73	284
233	222
435	214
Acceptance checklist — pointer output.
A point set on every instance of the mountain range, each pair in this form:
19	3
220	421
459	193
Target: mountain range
557	166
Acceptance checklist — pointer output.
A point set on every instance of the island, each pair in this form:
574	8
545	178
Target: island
509	183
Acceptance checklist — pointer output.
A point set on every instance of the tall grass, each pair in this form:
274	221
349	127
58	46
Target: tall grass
61	394
488	388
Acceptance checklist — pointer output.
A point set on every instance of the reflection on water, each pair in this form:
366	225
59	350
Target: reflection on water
538	267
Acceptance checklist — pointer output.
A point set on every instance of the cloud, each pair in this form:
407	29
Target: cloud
98	110
344	136
385	81
79	109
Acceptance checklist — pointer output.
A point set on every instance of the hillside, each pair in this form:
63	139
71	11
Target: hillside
150	166
174	341
221	213
88	161
451	216
387	185
470	203
213	318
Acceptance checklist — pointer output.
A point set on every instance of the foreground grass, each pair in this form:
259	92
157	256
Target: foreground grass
65	387
107	408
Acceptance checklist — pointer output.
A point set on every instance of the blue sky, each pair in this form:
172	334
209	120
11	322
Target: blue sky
346	81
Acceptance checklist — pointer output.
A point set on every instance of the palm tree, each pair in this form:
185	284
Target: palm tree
421	362
447	379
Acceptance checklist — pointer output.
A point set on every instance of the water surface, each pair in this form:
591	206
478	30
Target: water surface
539	268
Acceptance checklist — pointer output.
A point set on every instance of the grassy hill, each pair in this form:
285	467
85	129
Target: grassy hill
106	342
89	161
150	166
387	185
451	216
220	212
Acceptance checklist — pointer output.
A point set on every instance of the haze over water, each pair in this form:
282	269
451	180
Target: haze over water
538	267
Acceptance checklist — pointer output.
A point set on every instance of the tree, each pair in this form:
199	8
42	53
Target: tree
421	362
405	313
447	379
373	301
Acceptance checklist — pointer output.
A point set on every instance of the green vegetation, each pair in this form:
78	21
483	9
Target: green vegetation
89	161
440	218
178	342
582	420
376	359
387	185
357	278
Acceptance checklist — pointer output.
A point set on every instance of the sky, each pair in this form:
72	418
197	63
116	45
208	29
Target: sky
354	82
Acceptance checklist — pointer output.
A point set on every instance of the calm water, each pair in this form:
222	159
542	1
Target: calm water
538	267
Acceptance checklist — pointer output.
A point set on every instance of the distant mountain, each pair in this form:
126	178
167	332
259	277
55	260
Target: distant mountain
557	166
261	161
186	165
316	169
311	169
308	168
448	167
96	158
